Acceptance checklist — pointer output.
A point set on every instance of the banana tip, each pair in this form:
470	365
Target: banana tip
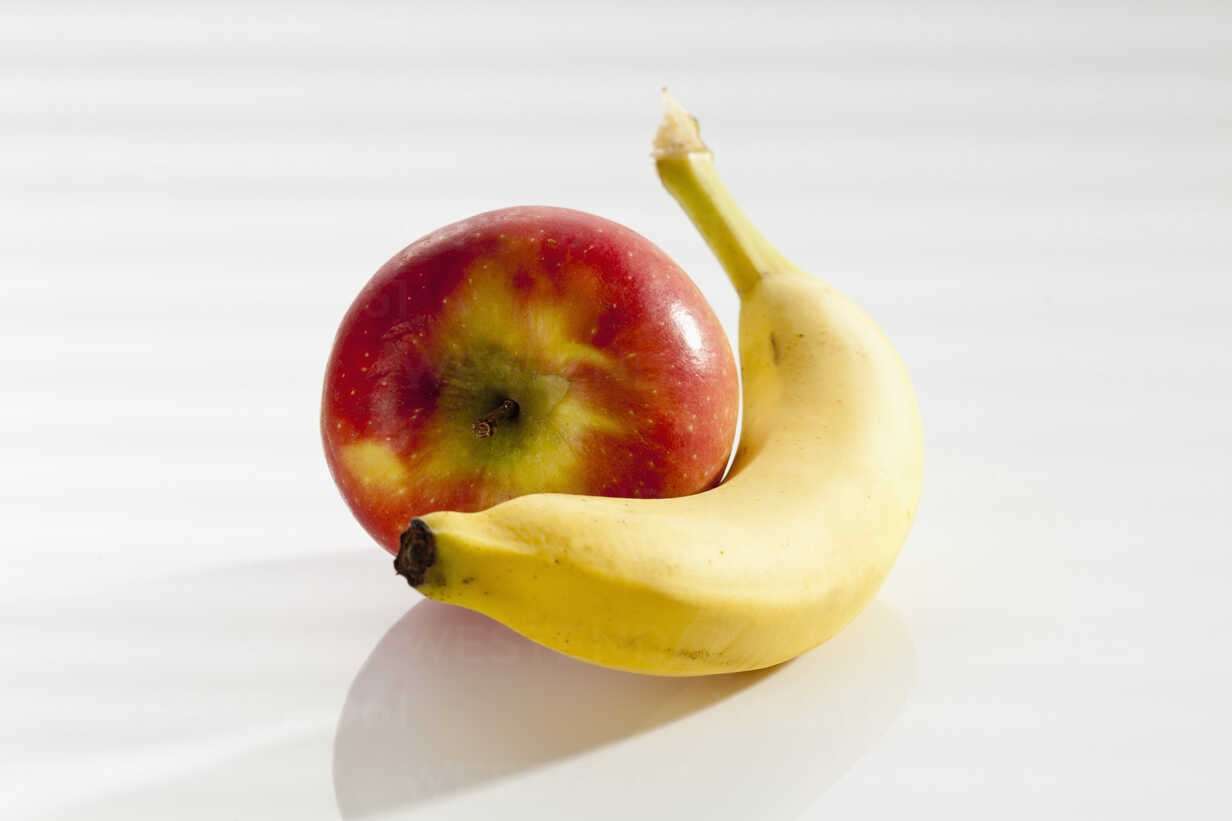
416	552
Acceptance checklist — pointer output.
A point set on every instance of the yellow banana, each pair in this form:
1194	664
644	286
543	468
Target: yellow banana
769	564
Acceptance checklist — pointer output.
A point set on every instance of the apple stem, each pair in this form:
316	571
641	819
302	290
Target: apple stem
485	426
686	167
416	553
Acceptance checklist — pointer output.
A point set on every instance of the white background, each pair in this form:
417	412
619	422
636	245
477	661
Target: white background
1035	200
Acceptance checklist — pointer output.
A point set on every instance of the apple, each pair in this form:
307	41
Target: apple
525	350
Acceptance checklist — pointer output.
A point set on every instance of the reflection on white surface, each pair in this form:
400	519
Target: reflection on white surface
451	706
451	714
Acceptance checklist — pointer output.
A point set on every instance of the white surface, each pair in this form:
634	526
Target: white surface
1038	204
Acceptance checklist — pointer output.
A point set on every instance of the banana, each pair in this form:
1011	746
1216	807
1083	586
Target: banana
769	564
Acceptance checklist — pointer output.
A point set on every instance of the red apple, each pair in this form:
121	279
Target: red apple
525	350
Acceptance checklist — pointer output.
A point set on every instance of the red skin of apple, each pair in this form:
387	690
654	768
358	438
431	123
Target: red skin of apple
624	381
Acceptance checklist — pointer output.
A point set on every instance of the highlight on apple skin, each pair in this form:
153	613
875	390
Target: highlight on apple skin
525	350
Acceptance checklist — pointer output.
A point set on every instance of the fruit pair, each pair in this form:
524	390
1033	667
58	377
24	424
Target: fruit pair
773	561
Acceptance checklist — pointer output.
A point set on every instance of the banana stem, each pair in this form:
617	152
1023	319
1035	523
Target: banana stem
686	167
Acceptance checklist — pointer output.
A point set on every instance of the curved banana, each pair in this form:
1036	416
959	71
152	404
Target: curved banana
767	565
